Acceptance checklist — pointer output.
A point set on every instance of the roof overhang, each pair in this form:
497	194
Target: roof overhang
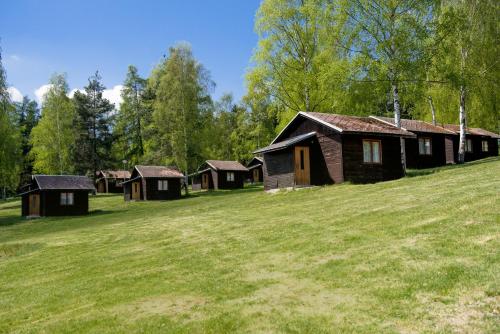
286	143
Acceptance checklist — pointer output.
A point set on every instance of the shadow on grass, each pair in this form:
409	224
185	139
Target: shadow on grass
428	171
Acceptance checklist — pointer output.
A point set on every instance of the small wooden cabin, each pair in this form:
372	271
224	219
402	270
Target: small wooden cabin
432	147
255	174
317	149
148	183
56	195
219	174
479	143
110	181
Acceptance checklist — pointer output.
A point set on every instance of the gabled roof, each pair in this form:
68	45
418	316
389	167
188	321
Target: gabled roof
256	161
226	165
115	174
158	171
415	125
350	124
285	143
63	182
471	131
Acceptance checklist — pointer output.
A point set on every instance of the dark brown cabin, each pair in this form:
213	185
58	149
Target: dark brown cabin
219	174
110	181
56	195
479	143
255	174
432	147
149	183
318	149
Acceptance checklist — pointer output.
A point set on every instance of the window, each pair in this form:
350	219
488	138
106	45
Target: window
468	145
230	176
66	199
162	184
424	146
484	145
301	159
372	151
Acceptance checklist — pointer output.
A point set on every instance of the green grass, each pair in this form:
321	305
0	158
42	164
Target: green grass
416	255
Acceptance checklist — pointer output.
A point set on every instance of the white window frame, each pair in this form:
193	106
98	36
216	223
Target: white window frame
424	149
371	143
163	185
230	176
67	199
468	145
484	146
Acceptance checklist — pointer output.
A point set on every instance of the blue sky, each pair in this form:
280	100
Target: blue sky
39	38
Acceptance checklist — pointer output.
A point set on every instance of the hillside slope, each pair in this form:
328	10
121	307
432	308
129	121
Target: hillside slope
420	254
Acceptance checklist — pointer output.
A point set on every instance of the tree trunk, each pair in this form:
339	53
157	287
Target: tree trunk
463	125
4	193
397	122
433	111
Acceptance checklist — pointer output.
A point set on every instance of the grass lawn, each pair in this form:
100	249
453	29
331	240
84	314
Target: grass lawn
420	254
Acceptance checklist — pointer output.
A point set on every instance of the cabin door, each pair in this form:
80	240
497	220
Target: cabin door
448	146
302	166
204	181
136	190
100	187
34	205
256	175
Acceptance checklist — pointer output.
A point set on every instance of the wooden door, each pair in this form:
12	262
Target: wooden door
136	190
256	175
302	166
448	147
34	205
204	181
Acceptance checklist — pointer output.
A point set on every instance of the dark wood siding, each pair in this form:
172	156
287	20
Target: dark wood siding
477	152
450	156
358	172
153	193
50	203
239	178
415	160
278	169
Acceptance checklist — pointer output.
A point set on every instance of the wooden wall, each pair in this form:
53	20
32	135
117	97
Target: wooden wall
356	171
222	183
278	169
415	160
50	203
152	192
477	152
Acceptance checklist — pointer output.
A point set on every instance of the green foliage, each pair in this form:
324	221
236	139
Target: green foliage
53	138
27	114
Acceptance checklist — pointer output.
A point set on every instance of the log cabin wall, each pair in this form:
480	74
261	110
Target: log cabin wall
278	169
153	193
438	151
223	183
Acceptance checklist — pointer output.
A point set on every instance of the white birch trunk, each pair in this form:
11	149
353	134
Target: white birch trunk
397	122
433	111
463	126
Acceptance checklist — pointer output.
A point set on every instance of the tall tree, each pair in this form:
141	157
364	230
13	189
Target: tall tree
52	139
28	115
181	103
10	153
93	124
133	116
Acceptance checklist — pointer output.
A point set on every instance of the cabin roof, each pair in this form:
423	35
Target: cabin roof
285	143
226	165
255	162
115	174
158	171
63	182
471	131
416	125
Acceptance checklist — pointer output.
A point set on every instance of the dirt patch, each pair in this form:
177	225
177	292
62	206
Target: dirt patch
174	306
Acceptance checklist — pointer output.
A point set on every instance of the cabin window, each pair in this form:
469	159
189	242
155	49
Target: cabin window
301	159
67	199
424	146
230	176
162	184
468	145
372	151
484	145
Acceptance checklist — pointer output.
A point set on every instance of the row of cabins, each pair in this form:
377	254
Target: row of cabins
313	149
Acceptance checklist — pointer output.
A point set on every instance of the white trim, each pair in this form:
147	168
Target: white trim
138	171
417	120
208	163
386	122
301	113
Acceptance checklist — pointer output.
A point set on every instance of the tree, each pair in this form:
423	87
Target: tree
27	117
181	106
92	124
133	116
52	139
10	152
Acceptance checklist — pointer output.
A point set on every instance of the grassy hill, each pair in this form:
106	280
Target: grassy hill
420	254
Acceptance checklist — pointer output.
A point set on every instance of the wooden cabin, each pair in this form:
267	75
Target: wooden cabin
219	174
479	143
254	167
317	149
432	147
56	195
110	181
148	183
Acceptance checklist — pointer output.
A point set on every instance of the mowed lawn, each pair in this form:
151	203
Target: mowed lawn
420	254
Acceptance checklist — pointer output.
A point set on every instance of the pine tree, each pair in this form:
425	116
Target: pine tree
28	116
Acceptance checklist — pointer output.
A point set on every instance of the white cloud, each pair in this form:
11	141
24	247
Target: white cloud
114	95
41	91
15	58
73	91
15	94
